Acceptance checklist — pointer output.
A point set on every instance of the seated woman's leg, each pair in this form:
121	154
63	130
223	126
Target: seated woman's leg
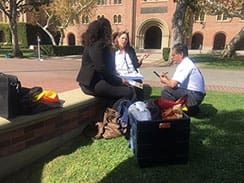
87	90
105	89
139	92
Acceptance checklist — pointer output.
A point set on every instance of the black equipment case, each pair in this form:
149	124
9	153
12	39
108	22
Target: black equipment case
10	88
161	141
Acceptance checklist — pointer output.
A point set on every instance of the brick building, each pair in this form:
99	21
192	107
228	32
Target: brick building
149	25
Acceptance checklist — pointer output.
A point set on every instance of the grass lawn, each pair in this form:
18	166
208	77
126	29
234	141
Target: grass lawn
26	52
215	61
215	155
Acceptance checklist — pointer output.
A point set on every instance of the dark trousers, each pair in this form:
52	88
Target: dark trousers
106	90
139	92
193	98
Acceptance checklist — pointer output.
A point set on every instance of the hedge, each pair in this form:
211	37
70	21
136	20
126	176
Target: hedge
51	50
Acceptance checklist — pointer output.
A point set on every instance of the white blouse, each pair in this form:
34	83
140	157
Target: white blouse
123	63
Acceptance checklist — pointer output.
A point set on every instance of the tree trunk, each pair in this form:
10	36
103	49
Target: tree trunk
230	49
45	27
61	40
49	34
13	30
178	23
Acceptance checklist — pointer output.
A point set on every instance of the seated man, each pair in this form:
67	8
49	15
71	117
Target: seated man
187	80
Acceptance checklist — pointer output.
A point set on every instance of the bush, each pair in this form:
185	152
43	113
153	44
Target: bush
46	50
22	34
67	50
166	52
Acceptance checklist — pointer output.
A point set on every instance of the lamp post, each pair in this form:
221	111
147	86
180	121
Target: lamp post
38	48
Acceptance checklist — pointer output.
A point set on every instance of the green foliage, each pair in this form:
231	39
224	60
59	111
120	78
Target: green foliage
7	50
166	52
46	50
51	50
67	50
22	35
216	61
4	27
215	152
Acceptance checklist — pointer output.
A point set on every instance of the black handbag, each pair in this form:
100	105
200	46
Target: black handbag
29	105
10	88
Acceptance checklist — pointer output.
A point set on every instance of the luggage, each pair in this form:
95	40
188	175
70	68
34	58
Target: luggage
159	142
10	88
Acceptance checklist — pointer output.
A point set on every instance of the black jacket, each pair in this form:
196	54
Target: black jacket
97	63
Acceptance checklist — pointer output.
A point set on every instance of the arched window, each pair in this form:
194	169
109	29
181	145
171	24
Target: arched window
100	16
200	17
71	39
197	41
102	2
222	17
117	19
153	37
117	1
219	41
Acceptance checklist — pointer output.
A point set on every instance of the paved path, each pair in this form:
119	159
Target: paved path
218	80
59	73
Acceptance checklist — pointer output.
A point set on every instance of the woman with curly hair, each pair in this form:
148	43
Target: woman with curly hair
97	73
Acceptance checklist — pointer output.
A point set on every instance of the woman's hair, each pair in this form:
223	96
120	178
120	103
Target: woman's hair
99	29
116	35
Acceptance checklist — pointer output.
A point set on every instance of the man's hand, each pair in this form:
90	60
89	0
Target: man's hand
163	77
165	80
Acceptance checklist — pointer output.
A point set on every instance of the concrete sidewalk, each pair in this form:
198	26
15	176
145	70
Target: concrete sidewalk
56	73
59	73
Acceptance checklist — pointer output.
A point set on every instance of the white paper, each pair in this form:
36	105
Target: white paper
136	84
132	76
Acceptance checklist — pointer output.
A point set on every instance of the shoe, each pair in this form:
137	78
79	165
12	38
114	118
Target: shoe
192	111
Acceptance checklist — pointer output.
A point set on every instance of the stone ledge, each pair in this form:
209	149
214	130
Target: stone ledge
27	138
71	100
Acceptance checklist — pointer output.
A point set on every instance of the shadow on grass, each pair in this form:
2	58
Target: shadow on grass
216	154
207	111
34	172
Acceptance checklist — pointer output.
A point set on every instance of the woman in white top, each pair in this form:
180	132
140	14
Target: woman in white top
126	61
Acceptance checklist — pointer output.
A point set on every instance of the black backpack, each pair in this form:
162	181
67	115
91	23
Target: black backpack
10	88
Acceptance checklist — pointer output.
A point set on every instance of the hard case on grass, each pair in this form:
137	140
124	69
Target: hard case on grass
160	142
9	96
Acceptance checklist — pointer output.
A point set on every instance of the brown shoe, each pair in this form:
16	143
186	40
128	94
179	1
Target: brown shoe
100	129
111	132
